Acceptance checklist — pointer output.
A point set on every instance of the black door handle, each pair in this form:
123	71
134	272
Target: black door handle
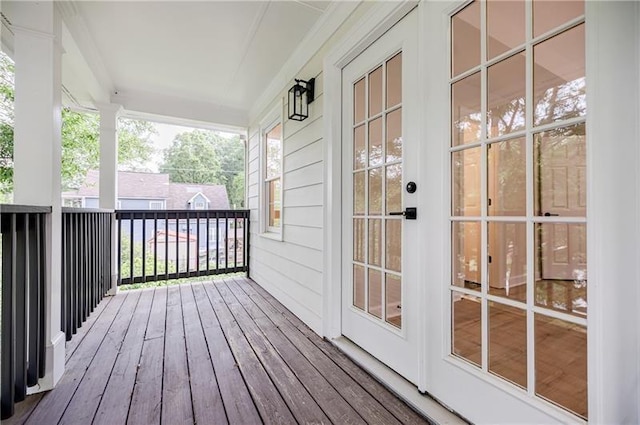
410	213
548	214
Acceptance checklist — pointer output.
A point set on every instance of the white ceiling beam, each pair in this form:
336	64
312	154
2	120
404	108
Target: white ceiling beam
217	116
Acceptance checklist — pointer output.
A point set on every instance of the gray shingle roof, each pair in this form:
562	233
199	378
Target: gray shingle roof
156	186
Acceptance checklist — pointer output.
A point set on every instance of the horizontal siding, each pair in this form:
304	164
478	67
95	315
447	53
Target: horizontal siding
304	216
307	176
309	257
300	273
304	196
311	237
303	307
310	154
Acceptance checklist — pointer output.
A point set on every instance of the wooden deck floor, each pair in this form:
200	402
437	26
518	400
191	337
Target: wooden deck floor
208	353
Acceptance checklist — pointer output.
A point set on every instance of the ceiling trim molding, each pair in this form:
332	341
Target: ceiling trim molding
337	12
77	27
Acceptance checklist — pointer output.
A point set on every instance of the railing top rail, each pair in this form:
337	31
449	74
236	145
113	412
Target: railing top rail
74	210
150	214
181	211
32	209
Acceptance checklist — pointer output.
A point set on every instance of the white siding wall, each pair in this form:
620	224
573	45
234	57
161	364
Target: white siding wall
291	269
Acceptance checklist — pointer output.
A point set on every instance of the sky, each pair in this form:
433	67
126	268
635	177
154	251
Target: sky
162	140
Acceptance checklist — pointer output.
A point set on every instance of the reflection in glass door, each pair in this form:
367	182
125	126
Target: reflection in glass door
518	213
377	191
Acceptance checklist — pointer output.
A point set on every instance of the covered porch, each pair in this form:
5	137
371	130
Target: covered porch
217	352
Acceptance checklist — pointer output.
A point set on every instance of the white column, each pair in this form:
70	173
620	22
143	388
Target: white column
37	149
109	174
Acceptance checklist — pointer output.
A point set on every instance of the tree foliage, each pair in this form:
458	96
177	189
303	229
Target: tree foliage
205	157
80	138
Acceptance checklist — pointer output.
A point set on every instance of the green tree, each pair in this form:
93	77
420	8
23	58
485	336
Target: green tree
80	138
201	156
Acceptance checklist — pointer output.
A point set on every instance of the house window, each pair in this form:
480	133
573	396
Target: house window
272	138
156	205
198	205
518	286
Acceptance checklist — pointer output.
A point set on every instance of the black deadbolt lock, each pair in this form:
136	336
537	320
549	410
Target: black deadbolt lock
411	187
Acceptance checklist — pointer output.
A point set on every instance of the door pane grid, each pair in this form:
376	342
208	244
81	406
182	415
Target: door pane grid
382	286
522	112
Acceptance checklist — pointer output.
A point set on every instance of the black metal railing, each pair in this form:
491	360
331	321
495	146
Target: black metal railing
172	244
23	230
86	263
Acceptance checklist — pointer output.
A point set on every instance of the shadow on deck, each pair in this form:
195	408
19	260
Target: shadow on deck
207	353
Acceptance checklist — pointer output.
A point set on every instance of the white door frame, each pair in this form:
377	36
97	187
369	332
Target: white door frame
380	18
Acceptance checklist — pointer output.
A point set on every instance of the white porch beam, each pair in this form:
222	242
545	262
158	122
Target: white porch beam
180	108
37	150
108	189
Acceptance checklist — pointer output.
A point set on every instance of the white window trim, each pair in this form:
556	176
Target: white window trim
271	120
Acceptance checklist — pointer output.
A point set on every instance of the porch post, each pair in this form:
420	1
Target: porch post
37	151
109	113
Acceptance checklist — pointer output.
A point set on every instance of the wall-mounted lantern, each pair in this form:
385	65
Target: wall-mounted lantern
300	96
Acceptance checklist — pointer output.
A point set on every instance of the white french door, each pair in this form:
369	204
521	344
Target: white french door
506	114
379	145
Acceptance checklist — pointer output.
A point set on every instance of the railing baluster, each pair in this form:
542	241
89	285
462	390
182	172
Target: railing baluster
166	245
34	301
208	242
8	316
177	245
155	246
217	242
198	243
144	248
235	241
131	240
188	244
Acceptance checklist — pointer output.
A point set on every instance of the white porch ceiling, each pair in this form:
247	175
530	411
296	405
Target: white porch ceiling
216	55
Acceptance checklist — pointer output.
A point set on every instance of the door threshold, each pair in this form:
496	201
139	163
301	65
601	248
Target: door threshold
403	389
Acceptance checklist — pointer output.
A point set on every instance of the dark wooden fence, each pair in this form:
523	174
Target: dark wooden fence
172	244
23	230
86	263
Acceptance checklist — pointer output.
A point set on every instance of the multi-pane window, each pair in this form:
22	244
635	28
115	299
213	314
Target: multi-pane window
377	191
273	176
518	212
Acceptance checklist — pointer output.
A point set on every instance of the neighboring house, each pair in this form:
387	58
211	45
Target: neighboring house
166	244
150	191
154	191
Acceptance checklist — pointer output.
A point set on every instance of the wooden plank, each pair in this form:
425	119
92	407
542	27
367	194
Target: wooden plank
72	345
24	409
114	405
366	405
235	395
272	408
53	404
300	402
176	393
145	404
392	403
328	398
83	405
205	393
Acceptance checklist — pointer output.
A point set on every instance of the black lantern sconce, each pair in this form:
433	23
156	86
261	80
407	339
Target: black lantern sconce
300	96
